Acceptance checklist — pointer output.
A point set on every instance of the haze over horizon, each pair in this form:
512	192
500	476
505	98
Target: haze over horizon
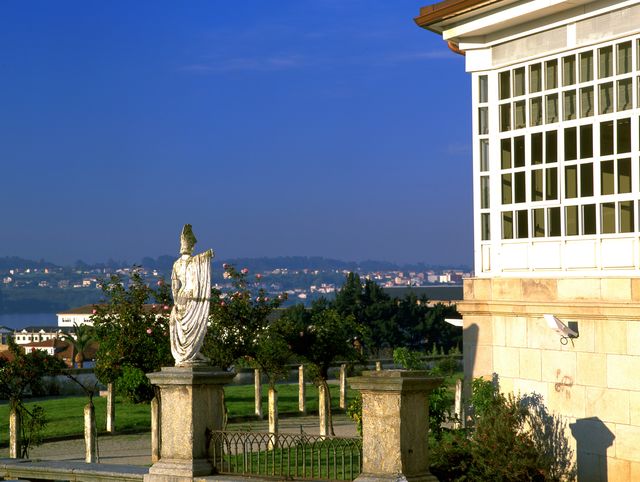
332	128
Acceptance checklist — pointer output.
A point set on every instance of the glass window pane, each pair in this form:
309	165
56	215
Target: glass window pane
569	70
589	219
505	82
536	185
552	108
551	146
586	102
569	105
518	82
607	183
551	185
485	226
505	156
536	148
484	154
518	151
624	58
605	62
571	182
553	221
505	117
571	220
625	209
606	138
522	224
551	74
535	111
538	223
586	66
483	120
605	94
535	78
624	94
520	187
484	192
624	176
586	180
608	218
507	225
520	114
506	189
586	141
570	144
623	143
483	89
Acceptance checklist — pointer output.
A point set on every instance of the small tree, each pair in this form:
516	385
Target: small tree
83	336
131	332
322	337
241	326
20	373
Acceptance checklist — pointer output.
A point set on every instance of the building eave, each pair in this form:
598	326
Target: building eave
432	15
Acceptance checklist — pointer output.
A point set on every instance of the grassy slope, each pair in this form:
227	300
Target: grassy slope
65	414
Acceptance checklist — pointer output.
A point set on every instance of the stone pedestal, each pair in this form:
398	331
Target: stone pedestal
395	425
191	405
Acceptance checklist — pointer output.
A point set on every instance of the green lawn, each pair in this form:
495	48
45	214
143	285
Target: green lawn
65	414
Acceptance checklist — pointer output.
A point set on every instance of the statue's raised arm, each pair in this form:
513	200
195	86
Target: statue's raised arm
191	288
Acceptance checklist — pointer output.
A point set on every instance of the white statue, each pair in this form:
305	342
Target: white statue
191	288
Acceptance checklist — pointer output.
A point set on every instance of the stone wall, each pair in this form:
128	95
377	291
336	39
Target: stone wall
593	380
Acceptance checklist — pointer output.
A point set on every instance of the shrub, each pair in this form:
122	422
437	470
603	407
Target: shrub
134	385
514	439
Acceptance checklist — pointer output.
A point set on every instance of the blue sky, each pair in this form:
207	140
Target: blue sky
335	128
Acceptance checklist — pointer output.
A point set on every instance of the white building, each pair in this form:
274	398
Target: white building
76	316
556	151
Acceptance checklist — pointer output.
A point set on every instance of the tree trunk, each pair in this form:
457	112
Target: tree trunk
257	378
111	408
90	435
273	417
15	433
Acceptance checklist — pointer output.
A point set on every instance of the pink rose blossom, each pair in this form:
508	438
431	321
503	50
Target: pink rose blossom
222	303
258	276
165	307
245	270
149	331
94	311
225	266
160	283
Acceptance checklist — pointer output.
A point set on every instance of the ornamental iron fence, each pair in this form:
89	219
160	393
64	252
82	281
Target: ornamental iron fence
298	456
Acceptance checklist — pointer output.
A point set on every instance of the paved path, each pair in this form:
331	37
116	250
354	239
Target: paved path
135	449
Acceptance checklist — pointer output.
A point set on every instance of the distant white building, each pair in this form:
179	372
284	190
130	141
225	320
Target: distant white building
76	316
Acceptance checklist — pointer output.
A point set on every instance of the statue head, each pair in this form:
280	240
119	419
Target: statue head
187	240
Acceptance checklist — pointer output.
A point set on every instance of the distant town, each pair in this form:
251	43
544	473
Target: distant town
38	286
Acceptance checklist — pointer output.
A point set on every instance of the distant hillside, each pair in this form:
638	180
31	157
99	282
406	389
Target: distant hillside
12	262
297	263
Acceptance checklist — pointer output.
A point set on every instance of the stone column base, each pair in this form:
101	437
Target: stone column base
177	470
394	478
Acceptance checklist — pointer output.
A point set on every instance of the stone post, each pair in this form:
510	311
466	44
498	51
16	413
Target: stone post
378	366
395	425
457	407
257	380
323	410
191	405
343	386
90	435
302	391
273	417
155	430
111	408
15	433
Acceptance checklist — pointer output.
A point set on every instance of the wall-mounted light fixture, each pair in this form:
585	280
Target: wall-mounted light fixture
454	321
566	333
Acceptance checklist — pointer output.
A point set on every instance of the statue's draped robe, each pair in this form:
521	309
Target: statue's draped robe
191	288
